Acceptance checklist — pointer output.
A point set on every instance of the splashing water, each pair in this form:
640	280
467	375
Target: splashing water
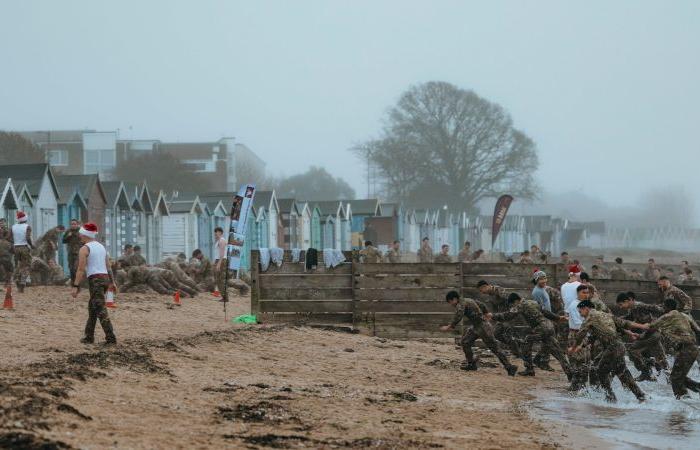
661	422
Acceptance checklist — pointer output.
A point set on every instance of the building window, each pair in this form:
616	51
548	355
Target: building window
97	161
58	157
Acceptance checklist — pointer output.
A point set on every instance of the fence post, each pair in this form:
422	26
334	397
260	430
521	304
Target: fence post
354	297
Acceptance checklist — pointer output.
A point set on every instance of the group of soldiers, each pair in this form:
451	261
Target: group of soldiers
574	326
371	254
28	261
35	263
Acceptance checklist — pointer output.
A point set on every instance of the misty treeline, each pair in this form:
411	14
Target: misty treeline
671	205
16	149
445	145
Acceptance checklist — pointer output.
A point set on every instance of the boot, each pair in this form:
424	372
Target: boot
20	288
528	372
469	366
645	376
87	340
512	370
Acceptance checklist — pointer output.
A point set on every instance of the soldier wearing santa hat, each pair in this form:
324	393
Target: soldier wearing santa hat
21	238
93	263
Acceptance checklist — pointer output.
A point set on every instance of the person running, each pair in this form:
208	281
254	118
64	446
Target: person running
475	312
93	263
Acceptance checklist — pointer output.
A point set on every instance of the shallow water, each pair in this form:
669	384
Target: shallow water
662	422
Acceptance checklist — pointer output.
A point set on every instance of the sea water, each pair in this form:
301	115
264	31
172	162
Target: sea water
661	422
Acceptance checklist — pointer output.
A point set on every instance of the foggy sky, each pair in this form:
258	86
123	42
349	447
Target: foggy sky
609	91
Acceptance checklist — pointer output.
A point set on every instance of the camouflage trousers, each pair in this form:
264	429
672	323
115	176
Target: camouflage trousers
580	362
482	331
6	269
23	263
72	265
98	310
547	338
685	358
641	351
612	363
504	332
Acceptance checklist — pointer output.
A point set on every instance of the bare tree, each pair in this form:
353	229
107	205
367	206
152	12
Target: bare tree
443	142
316	184
16	149
162	171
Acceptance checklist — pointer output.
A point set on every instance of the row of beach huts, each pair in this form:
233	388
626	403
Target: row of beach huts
165	224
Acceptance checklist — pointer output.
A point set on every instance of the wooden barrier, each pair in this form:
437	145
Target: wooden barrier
400	300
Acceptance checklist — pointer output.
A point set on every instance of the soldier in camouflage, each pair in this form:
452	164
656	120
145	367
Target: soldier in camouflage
394	253
72	241
643	350
503	331
136	258
681	331
474	311
541	330
444	255
603	328
21	239
667	290
425	252
370	254
7	267
525	258
652	272
201	271
465	255
618	272
5	232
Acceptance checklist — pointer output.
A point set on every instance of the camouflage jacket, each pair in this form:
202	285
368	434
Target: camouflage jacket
599	305
685	303
473	310
464	255
370	255
425	254
652	273
619	273
602	327
531	312
72	240
555	299
643	312
676	327
499	297
443	258
393	256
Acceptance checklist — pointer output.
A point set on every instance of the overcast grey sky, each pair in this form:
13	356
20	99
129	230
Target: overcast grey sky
609	90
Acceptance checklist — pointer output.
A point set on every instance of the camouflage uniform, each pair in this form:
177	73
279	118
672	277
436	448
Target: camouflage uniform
464	255
681	332
73	244
541	330
603	328
555	300
685	303
393	256
425	254
135	259
202	272
441	258
619	273
40	272
503	331
23	262
649	346
474	311
97	310
652	273
525	260
181	275
370	255
6	265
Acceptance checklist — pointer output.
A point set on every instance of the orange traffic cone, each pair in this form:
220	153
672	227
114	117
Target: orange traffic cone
110	298
216	293
8	304
176	298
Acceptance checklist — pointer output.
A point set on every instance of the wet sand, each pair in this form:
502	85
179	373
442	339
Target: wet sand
183	378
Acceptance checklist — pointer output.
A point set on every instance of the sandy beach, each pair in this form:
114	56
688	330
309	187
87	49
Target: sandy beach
181	377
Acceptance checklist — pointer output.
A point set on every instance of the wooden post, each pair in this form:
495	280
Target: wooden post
354	297
255	282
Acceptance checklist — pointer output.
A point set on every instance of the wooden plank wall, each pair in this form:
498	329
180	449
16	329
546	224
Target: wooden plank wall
400	300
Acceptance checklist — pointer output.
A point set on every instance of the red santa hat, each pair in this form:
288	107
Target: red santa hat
21	217
89	230
574	269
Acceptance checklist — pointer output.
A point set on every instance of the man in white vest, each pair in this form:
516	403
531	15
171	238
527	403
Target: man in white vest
93	263
21	237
